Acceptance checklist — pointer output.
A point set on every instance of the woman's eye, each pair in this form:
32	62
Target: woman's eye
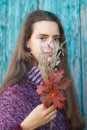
43	38
56	40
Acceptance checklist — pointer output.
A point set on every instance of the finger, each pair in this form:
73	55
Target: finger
51	114
42	107
52	117
50	109
49	119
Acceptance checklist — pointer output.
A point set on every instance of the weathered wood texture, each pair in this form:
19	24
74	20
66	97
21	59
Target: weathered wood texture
73	15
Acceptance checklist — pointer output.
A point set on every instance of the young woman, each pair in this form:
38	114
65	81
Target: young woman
20	105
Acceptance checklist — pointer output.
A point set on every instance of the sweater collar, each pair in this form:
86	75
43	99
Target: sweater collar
34	75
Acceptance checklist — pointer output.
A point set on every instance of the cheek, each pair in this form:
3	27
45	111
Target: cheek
35	50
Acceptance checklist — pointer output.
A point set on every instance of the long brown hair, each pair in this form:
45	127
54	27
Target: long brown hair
21	63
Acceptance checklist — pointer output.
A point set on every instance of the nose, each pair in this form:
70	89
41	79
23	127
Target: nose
50	44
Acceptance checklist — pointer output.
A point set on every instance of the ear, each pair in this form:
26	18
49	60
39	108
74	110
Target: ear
28	44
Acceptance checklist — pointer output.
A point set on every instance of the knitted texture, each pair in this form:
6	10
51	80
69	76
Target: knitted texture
18	100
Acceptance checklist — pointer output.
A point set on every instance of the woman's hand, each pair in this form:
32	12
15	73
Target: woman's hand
39	116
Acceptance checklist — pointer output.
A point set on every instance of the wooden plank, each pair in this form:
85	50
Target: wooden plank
84	55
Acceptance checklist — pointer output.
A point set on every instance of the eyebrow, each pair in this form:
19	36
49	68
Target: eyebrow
46	35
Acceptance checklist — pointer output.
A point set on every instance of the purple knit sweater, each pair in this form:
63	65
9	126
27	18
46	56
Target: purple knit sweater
18	100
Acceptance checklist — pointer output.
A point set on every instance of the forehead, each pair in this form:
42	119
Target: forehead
46	27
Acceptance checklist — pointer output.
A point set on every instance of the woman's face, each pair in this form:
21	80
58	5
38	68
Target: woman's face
45	34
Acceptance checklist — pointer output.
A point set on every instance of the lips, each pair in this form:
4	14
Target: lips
48	54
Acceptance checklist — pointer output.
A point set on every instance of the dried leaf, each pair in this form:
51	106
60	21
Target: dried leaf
50	91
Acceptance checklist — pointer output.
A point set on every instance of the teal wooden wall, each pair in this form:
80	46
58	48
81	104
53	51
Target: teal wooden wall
73	15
